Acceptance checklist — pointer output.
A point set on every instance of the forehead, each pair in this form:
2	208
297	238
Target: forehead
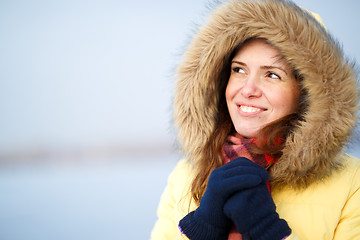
259	50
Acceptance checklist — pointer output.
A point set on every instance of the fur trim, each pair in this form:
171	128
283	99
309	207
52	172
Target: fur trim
312	151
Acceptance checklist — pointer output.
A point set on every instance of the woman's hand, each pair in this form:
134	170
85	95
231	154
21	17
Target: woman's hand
254	213
209	220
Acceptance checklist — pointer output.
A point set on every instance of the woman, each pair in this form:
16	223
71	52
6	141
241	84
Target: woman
265	102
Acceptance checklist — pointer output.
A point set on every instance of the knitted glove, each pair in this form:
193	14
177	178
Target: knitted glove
253	213
208	221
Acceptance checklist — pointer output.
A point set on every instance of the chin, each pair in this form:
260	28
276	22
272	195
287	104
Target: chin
247	133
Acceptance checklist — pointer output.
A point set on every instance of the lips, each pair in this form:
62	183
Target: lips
247	110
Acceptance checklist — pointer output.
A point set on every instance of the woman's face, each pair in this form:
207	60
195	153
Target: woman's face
261	88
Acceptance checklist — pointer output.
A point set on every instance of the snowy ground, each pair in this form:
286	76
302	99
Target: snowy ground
115	200
102	200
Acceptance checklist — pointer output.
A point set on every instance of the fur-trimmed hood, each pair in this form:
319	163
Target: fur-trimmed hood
313	150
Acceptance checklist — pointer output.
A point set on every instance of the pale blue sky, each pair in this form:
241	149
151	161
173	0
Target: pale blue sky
95	73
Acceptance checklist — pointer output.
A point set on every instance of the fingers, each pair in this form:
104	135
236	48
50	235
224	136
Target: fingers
235	184
240	166
242	161
235	176
245	170
248	205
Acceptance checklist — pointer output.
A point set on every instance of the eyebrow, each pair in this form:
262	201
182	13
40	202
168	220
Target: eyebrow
272	67
262	67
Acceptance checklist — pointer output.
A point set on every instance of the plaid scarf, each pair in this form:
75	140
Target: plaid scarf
238	146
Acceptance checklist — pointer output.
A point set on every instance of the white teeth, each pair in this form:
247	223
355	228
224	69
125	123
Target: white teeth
249	109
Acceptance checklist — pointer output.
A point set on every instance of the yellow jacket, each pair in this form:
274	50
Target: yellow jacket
326	210
328	206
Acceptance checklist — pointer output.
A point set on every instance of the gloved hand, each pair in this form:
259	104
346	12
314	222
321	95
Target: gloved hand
254	213
208	221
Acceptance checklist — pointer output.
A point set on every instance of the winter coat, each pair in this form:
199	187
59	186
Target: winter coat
326	210
315	187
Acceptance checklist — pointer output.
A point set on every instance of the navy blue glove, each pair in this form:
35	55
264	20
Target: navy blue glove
254	213
209	221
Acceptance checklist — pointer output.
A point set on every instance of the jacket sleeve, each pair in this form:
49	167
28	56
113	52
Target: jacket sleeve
292	236
348	226
181	236
166	226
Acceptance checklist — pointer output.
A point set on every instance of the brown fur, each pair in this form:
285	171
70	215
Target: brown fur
311	152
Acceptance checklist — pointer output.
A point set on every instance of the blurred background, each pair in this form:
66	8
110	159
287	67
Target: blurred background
86	88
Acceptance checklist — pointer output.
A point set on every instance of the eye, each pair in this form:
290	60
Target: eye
273	75
238	70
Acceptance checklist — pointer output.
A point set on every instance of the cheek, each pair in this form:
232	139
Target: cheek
295	96
227	94
230	91
287	101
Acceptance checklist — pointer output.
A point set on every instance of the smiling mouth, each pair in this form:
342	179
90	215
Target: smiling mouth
248	109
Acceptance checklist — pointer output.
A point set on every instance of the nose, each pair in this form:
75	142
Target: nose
251	87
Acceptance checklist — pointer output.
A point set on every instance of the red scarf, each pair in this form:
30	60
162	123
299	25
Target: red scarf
238	146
